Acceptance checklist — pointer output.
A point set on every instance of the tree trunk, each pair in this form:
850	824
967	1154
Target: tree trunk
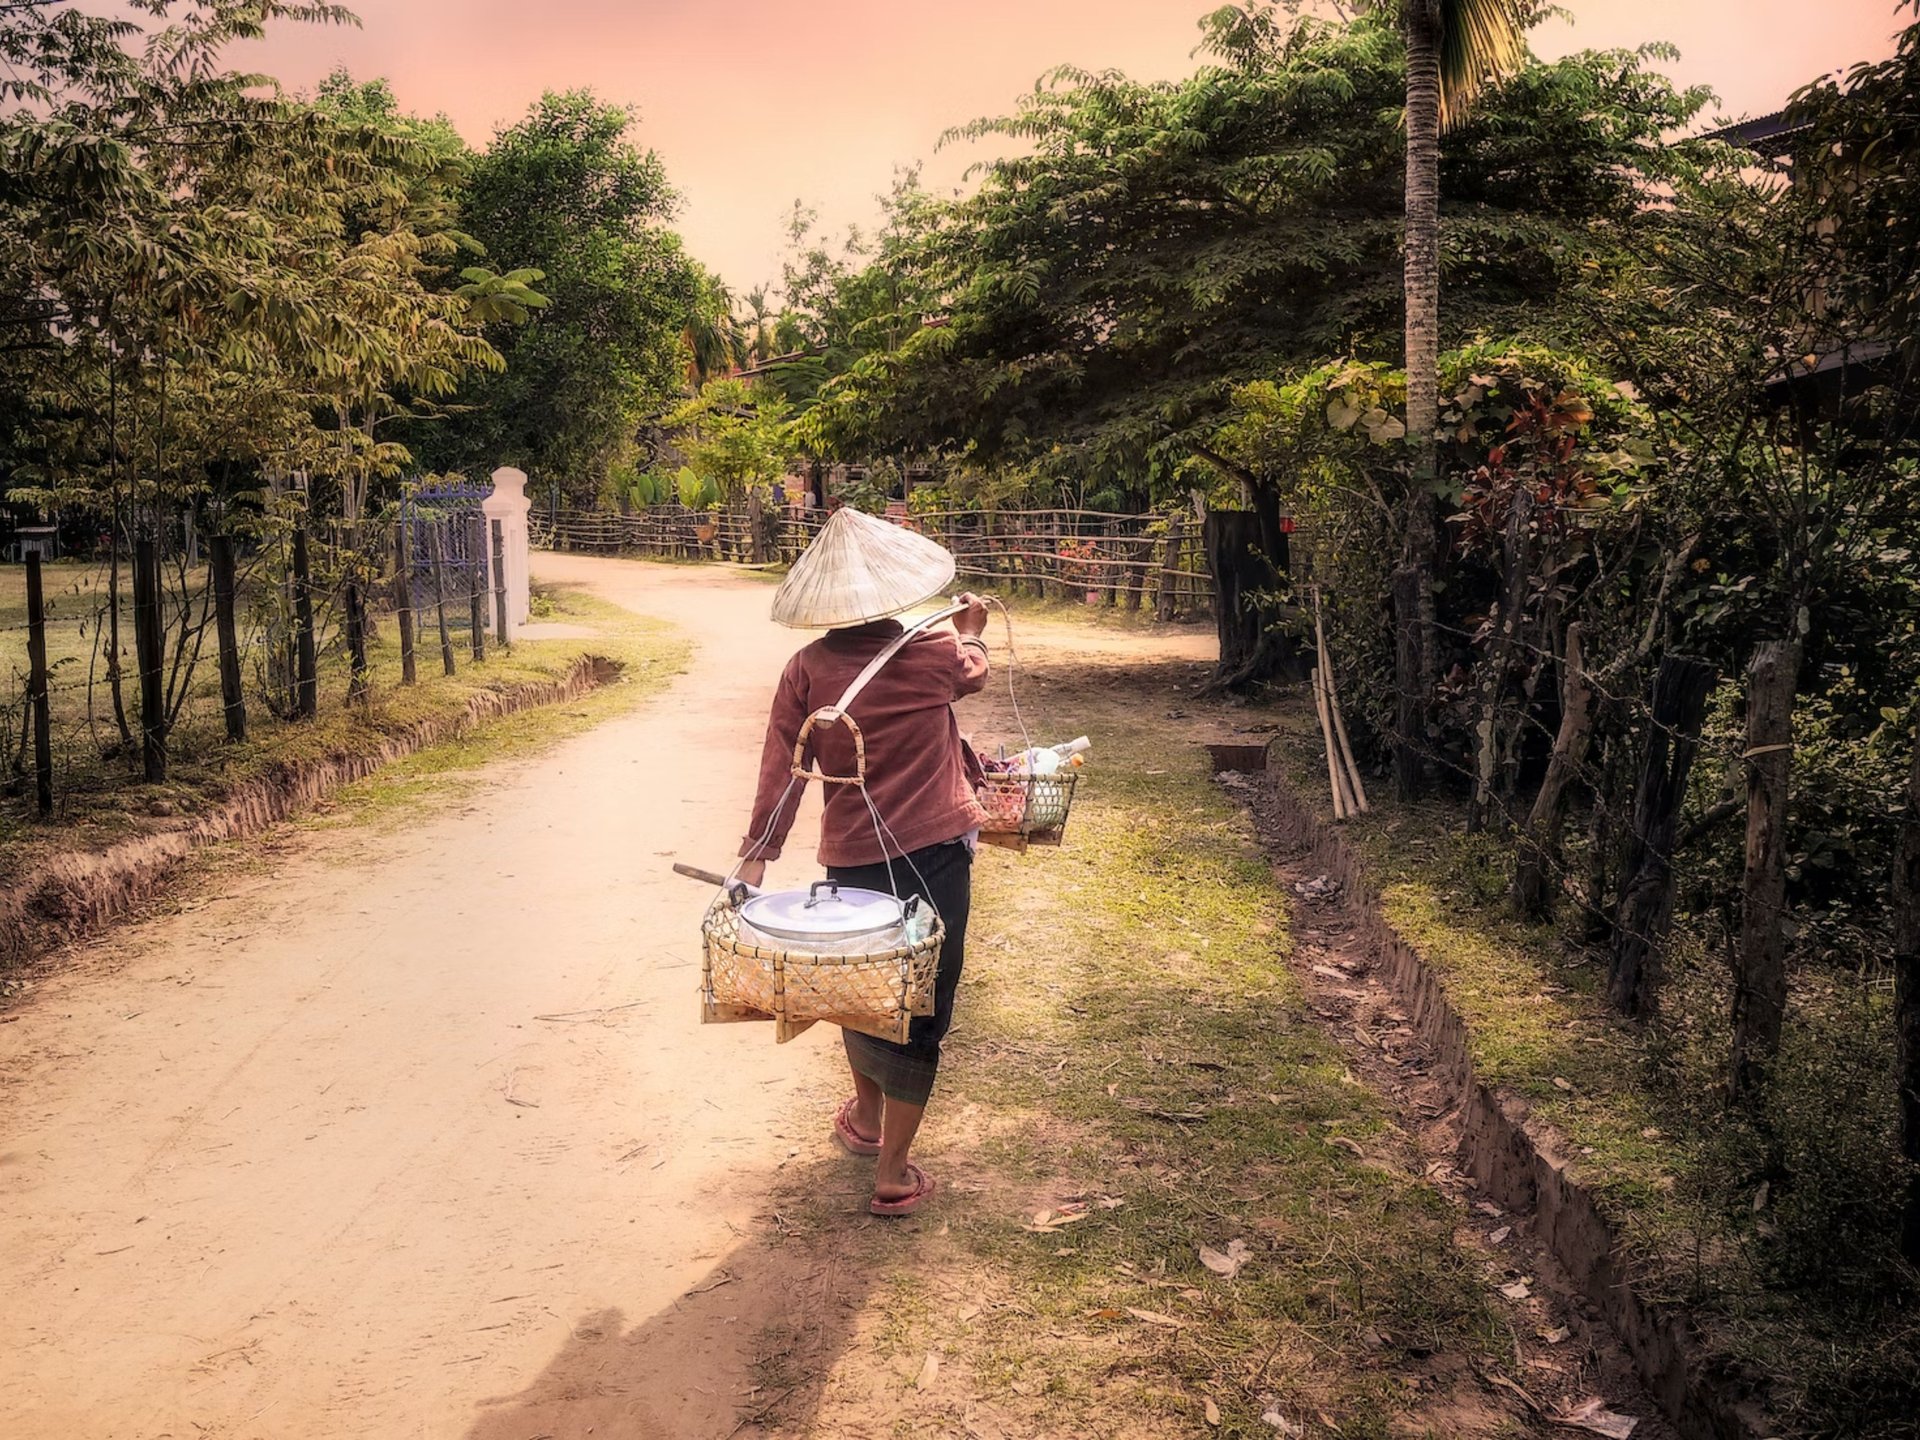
41	715
306	684
233	698
1170	568
1906	999
1414	652
403	599
1487	730
1247	567
756	529
149	644
1646	894
1760	986
1540	855
356	639
114	687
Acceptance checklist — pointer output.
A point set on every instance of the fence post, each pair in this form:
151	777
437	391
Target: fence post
233	698
477	584
37	690
434	548
403	598
306	690
149	646
1170	568
501	634
353	599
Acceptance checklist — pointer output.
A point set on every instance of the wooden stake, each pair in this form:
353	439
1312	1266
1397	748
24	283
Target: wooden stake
1356	788
436	529
1333	761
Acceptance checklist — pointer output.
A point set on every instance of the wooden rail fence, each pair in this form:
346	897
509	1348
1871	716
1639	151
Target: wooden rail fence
1130	561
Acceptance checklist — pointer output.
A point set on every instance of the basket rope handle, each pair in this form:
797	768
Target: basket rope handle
830	715
837	712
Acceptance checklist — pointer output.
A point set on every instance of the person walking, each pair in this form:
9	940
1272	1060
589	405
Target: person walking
922	782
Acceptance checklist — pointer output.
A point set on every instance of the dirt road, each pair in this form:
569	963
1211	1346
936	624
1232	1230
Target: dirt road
360	1147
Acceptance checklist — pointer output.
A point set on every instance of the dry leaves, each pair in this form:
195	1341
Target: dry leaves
1154	1317
1282	1424
1226	1263
1499	1237
1518	1290
1212	1412
1557	1335
1594	1417
929	1371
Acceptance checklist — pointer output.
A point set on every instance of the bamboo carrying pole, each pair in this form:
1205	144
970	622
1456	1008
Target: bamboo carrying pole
1357	791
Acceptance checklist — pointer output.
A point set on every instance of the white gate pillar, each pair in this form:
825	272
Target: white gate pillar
509	505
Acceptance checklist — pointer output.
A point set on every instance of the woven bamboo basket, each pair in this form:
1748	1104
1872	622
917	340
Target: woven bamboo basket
747	976
1025	810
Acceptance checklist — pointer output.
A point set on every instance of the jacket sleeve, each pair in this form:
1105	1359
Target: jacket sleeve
970	666
772	816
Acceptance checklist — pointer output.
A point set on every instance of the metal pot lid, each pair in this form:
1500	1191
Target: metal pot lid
824	911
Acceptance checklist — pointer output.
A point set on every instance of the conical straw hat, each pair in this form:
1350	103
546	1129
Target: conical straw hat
857	569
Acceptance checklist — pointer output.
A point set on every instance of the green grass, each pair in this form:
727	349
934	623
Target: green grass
100	796
1795	1281
1130	1031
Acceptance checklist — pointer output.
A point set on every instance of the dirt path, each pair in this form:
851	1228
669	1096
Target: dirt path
381	1144
366	1146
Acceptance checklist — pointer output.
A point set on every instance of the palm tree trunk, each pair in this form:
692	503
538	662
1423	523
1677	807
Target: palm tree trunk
1414	657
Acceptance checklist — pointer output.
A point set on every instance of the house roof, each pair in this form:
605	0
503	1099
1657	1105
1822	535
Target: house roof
1762	132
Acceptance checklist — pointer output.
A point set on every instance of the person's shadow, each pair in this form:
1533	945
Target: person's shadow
753	1340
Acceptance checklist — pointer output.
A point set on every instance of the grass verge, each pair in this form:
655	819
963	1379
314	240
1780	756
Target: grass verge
1133	1077
1771	1232
101	798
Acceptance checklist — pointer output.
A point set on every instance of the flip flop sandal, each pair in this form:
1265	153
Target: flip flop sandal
850	1139
923	1188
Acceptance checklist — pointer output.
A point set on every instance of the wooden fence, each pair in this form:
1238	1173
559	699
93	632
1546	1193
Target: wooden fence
1132	561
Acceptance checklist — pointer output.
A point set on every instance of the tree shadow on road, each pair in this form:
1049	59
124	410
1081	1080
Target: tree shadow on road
747	1345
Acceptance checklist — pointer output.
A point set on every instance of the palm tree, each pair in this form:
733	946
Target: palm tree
1455	48
759	325
714	341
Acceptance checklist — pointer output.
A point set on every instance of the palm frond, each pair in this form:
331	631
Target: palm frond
1481	42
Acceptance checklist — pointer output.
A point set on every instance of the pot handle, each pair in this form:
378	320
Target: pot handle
813	891
828	715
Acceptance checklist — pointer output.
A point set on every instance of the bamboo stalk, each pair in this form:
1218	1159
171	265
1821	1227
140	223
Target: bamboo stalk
1355	785
1326	734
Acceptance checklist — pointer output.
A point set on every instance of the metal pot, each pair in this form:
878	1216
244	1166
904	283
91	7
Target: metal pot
828	912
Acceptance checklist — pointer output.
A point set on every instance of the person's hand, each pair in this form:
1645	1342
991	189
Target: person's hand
973	619
753	872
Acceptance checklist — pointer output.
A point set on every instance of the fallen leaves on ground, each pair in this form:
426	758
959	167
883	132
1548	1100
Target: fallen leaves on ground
1594	1417
1212	1412
929	1371
1518	1290
1154	1317
1226	1263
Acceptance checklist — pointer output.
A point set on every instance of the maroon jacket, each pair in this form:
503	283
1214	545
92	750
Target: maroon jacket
920	775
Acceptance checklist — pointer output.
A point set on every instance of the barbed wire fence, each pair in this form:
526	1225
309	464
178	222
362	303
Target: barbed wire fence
248	629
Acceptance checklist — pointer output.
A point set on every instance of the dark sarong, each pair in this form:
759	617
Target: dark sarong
906	1072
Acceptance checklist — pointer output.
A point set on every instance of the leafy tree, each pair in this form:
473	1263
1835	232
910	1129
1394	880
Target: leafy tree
229	288
565	190
735	437
1099	298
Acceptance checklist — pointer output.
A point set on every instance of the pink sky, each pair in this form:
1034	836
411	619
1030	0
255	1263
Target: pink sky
756	103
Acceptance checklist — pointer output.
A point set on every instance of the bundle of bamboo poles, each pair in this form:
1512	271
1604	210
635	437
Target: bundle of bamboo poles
1343	775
